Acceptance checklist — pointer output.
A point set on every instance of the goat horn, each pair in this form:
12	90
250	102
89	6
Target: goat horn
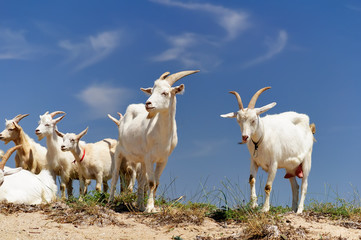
7	155
171	79
19	117
253	101
164	75
239	100
53	114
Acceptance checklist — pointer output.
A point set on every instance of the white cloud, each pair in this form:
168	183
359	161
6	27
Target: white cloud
93	49
274	47
179	46
198	50
188	49
103	99
355	8
232	21
13	45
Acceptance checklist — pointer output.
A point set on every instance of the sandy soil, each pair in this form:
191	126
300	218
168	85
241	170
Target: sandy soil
37	225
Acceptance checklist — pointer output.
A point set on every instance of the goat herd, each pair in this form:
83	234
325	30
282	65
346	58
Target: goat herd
147	136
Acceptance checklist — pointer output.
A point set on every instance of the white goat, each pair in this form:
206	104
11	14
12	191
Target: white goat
95	160
148	135
276	141
59	162
31	156
23	187
128	170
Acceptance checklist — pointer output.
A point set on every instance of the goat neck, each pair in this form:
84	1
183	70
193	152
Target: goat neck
259	133
78	153
165	123
22	140
53	141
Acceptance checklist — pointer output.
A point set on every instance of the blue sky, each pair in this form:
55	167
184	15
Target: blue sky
89	58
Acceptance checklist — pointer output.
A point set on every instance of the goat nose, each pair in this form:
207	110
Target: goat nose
37	130
244	138
148	103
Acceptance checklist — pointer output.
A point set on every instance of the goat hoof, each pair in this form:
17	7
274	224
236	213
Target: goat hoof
151	210
299	211
265	209
254	205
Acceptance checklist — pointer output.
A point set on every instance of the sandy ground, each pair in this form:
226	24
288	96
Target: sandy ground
36	225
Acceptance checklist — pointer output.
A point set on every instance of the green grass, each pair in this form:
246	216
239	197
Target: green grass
341	209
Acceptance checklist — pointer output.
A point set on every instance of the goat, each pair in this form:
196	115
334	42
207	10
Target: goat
148	135
95	160
31	156
24	187
282	140
59	162
128	170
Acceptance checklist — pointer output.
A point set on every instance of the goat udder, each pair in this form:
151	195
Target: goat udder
298	173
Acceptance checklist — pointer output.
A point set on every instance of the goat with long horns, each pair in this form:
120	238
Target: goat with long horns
276	141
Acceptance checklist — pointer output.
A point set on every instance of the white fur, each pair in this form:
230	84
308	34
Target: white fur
129	171
287	142
148	135
98	161
59	163
31	156
23	187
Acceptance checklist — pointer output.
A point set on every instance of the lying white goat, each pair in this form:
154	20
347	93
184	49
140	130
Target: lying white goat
94	160
59	162
148	135
31	156
276	141
23	187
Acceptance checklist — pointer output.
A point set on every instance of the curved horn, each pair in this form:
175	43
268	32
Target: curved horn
7	155
19	117
171	79
53	114
164	75
239	100
253	101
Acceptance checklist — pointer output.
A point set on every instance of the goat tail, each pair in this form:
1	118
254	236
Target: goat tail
313	130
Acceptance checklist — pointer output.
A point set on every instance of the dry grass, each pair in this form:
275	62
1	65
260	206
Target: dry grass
76	213
94	210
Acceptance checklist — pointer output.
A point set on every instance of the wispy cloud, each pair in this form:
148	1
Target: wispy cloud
185	49
275	46
232	21
93	49
354	8
103	99
198	49
13	45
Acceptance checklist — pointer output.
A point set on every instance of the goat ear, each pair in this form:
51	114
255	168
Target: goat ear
16	125
179	89
147	91
59	133
265	108
229	115
12	171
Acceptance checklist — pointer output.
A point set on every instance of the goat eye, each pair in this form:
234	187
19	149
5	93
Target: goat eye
164	94
47	125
